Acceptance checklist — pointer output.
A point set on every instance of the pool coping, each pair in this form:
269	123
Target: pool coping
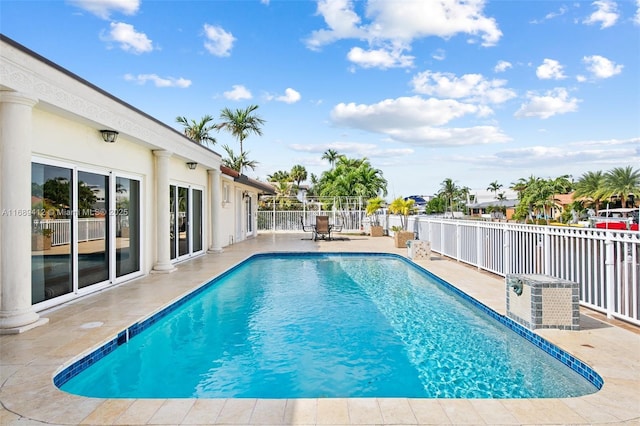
30	360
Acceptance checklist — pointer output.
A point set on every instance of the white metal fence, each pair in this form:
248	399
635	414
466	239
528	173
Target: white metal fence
278	220
88	229
605	263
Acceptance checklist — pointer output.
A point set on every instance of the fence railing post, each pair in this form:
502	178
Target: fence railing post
609	275
506	267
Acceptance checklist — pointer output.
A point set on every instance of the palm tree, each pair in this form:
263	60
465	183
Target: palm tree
298	174
238	163
404	208
332	156
240	123
494	187
622	182
198	130
279	176
590	185
448	190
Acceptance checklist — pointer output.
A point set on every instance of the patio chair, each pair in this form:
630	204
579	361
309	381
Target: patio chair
323	229
308	228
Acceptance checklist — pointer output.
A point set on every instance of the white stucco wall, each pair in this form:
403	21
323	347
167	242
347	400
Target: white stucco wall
66	117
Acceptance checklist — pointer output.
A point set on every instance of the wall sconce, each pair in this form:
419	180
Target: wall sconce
109	136
245	194
192	165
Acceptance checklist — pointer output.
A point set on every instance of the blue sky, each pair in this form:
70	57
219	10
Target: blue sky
475	91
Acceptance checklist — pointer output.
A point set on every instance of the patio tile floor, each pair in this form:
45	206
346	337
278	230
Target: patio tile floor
29	361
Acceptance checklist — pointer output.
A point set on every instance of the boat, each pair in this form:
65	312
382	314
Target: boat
618	219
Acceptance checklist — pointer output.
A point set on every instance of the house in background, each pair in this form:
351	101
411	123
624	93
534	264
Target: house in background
95	192
240	205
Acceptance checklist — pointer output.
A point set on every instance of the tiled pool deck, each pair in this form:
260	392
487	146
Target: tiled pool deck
29	361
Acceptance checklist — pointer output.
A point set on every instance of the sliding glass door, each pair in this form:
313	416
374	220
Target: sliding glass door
127	223
92	228
85	229
52	207
186	222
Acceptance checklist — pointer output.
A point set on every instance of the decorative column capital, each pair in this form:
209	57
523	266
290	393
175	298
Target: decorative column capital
162	153
17	98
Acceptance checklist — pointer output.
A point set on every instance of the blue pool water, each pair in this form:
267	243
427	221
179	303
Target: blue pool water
300	326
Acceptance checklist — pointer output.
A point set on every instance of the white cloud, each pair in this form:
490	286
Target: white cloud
440	136
218	41
237	93
636	17
502	66
379	58
550	69
401	112
342	22
553	102
606	14
472	87
104	8
412	120
572	157
439	55
129	40
392	26
159	81
601	67
290	96
358	149
551	15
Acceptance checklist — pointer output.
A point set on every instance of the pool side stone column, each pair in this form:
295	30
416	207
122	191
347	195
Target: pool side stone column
163	251
16	310
215	245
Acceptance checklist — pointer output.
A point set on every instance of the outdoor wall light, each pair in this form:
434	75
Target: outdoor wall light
192	165
245	194
109	136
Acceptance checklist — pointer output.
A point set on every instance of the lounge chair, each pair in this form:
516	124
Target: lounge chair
323	229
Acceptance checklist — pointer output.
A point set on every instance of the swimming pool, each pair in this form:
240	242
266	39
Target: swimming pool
327	325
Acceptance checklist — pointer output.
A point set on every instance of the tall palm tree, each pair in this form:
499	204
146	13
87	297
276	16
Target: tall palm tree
332	156
198	130
590	185
494	187
622	182
298	174
240	123
239	162
279	176
448	190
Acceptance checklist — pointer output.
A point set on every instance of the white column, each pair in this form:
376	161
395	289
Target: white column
16	311
215	245
163	253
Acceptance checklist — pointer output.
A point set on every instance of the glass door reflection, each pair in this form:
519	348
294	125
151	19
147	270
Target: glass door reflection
51	226
183	221
93	228
127	212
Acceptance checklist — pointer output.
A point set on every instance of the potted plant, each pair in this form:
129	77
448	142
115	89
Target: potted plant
404	208
373	207
41	239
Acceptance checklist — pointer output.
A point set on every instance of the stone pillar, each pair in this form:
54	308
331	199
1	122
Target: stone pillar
215	245
16	310
163	253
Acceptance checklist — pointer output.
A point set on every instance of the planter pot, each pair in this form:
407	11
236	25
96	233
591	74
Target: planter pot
40	242
124	232
377	231
401	238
